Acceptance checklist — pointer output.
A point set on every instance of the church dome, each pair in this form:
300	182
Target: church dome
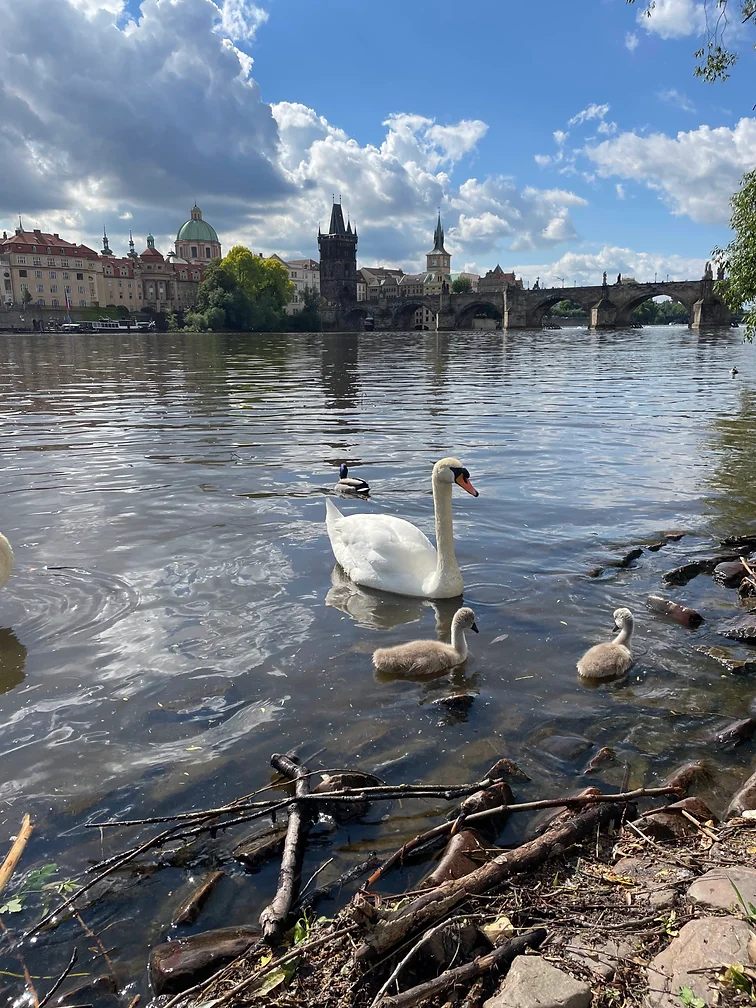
196	229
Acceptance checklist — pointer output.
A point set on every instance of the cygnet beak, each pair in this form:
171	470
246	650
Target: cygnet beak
475	628
465	484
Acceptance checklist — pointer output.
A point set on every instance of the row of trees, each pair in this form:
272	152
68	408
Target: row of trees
245	293
649	313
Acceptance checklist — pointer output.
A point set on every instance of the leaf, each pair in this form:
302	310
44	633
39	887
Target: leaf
37	878
12	906
689	998
276	977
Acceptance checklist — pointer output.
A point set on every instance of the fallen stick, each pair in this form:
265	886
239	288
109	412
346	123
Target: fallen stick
433	906
441	830
61	978
501	956
274	916
324	891
14	854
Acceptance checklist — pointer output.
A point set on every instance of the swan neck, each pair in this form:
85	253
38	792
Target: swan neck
623	637
442	507
459	641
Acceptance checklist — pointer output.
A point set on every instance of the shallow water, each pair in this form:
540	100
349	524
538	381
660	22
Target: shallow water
175	616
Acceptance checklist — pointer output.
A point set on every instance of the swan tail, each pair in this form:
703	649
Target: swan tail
332	512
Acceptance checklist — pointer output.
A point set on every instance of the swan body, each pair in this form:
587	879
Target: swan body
428	657
6	560
382	551
610	661
350	484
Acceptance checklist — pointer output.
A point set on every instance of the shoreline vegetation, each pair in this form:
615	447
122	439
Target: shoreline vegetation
615	896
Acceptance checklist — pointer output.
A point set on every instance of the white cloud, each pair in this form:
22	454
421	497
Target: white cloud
607	128
676	98
620	191
559	137
240	19
696	172
587	267
631	41
591	112
126	216
673	18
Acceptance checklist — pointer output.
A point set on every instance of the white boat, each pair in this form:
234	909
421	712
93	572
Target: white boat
120	325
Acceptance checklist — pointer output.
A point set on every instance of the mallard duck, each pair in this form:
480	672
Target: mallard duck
428	657
350	484
610	661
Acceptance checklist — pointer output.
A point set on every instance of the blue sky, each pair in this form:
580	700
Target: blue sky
558	137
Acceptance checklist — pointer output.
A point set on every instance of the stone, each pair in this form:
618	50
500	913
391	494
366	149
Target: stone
458	858
99	991
743	800
741	628
599	956
565	747
458	943
260	847
627	559
715	891
656	881
685	775
534	983
743	544
670	824
704	942
730	574
189	909
344	811
179	964
734	733
681	575
457	703
728	659
674	611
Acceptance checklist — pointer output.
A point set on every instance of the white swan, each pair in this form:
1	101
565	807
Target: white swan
6	560
381	551
350	484
609	661
428	657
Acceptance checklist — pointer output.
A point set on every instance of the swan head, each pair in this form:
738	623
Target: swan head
622	618
343	471
464	619
451	470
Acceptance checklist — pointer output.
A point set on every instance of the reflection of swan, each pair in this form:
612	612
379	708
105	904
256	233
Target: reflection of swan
12	661
350	484
372	609
428	657
6	560
609	661
381	551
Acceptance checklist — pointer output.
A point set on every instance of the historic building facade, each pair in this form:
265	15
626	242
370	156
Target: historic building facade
338	261
197	241
149	279
46	270
303	273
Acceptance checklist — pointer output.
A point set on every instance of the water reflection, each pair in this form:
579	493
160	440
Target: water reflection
733	444
374	609
12	660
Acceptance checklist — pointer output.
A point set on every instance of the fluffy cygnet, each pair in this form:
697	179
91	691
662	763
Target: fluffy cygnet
6	560
610	661
426	657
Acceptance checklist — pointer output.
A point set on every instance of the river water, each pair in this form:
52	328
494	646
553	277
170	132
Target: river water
175	617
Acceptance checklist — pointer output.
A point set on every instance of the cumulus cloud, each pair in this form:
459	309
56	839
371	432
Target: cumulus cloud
591	112
239	19
587	267
673	18
695	172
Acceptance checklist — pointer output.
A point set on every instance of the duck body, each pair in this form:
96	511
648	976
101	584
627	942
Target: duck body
6	560
350	484
428	657
734	371
391	554
610	660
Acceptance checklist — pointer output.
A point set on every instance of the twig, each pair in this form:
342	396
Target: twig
14	854
22	961
403	962
59	981
314	875
87	930
349	875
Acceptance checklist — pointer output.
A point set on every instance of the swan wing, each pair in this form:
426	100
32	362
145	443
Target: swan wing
381	551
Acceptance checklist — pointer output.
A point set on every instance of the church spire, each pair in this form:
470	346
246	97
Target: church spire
438	237
336	226
132	250
105	247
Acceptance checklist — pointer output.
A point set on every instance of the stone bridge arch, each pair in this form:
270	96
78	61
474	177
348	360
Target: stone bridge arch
402	315
553	297
464	316
686	299
355	318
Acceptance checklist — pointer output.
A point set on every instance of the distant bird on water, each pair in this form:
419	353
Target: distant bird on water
6	560
734	371
428	657
610	661
350	484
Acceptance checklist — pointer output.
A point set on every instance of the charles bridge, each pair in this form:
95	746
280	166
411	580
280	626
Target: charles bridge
608	306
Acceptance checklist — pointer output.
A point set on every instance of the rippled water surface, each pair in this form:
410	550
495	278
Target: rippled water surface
175	616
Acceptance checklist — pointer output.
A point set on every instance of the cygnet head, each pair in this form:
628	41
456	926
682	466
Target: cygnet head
622	618
451	470
343	471
464	619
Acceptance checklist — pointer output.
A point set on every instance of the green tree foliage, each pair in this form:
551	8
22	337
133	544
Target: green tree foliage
308	319
26	297
738	289
243	293
660	312
173	322
568	309
462	285
714	59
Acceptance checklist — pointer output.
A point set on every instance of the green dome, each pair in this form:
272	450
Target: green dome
196	229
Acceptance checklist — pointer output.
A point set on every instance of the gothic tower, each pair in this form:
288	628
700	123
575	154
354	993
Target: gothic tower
338	261
438	261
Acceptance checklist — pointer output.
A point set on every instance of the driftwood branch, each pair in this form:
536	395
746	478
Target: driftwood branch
500	957
273	918
433	906
61	978
14	854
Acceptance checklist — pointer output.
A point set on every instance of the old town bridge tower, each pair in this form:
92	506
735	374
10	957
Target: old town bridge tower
338	261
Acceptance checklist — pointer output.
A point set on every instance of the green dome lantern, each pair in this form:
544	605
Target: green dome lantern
196	229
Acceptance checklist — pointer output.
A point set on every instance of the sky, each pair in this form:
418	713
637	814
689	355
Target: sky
559	139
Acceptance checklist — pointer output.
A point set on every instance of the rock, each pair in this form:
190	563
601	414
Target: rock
728	659
627	559
497	796
259	847
344	811
686	775
599	956
704	942
458	703
743	800
534	983
565	747
670	824
99	991
730	574
459	942
594	572
741	628
605	755
743	544
456	861
506	768
715	891
681	575
499	930
656	881
678	613
674	535
188	910
734	733
654	547
179	964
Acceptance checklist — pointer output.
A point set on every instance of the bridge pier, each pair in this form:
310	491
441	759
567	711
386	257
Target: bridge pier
709	313
603	315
